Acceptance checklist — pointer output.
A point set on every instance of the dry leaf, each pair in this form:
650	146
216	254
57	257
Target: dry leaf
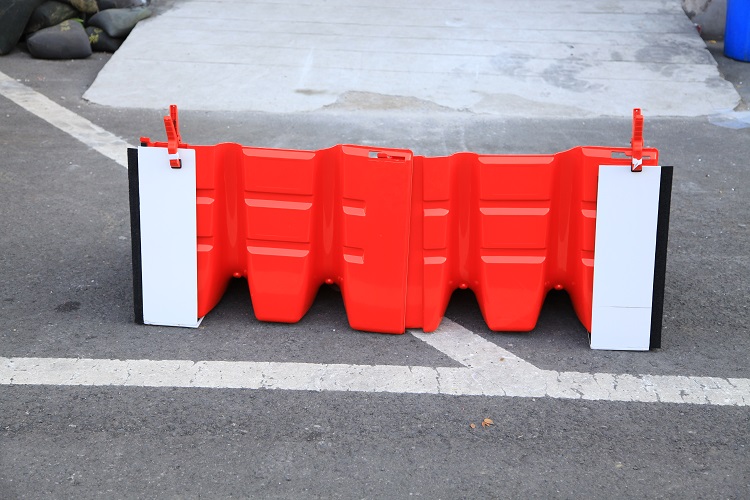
487	422
473	426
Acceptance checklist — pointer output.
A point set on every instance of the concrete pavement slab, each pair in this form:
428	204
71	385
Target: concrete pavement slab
539	58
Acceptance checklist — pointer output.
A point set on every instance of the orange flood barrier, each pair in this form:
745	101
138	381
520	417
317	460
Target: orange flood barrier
398	233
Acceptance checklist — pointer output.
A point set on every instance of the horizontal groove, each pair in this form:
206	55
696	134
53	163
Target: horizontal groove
355	211
277	252
277	196
513	259
436	212
525	211
589	214
587	258
506	203
205	196
278	204
513	251
354	255
435	260
279	240
267	247
435	256
432	203
205	243
588	205
353	206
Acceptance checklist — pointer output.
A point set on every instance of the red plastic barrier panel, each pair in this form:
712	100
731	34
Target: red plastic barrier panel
398	233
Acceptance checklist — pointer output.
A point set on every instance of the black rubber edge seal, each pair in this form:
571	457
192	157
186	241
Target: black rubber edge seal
135	233
660	261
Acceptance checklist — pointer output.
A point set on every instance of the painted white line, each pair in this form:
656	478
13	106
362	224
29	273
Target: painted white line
500	372
80	128
488	371
469	349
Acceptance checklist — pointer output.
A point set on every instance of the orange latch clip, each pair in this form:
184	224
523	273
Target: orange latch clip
636	143
174	140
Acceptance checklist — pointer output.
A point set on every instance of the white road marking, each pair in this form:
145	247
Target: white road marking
488	371
80	128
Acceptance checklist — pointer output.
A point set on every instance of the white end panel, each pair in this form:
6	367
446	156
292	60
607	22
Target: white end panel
627	210
169	264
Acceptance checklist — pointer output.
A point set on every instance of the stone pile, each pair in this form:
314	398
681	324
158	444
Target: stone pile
68	29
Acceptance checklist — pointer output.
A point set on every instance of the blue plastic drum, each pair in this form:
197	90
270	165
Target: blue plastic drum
737	32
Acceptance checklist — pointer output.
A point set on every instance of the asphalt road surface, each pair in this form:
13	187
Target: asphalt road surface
66	293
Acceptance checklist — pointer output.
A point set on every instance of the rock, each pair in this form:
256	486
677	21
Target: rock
101	41
85	6
14	15
119	22
120	4
49	14
67	40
